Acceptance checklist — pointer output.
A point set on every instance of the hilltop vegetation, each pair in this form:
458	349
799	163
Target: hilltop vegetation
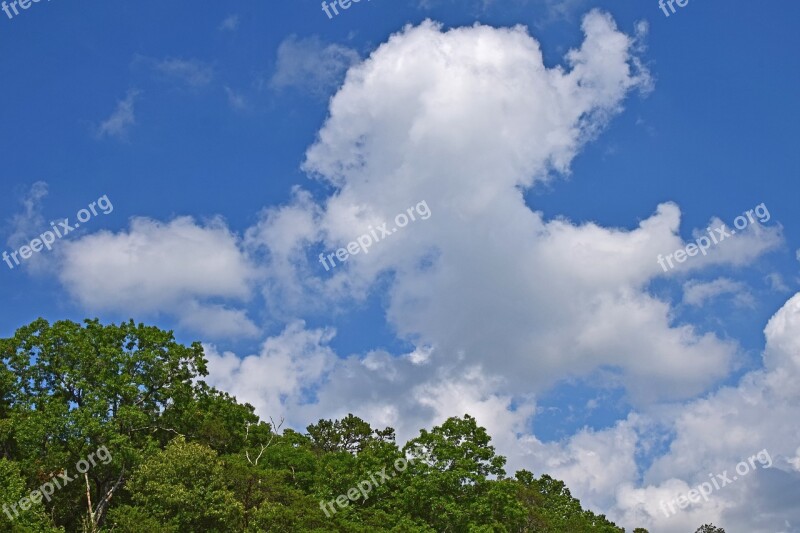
184	457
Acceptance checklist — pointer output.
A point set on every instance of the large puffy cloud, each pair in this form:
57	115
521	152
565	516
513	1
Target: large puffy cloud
297	376
179	268
714	434
464	120
501	302
708	437
603	467
463	106
288	366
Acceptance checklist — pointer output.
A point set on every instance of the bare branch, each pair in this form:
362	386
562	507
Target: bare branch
89	502
273	433
103	505
156	428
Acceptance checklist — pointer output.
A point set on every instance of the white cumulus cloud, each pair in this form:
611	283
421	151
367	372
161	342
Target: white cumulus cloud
175	268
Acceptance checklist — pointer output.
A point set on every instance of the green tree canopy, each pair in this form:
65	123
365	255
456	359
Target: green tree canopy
184	456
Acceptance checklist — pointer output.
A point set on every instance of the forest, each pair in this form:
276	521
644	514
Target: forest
112	428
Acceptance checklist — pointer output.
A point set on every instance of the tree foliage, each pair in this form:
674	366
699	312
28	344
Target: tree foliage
187	457
709	528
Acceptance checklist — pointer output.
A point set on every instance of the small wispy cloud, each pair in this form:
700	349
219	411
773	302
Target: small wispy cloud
192	72
563	9
776	282
231	23
120	121
697	293
30	221
547	10
310	65
235	99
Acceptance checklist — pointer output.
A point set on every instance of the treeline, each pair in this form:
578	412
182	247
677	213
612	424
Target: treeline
111	428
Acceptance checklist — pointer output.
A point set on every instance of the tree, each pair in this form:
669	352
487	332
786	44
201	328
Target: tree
709	528
184	456
73	389
449	486
551	507
183	486
12	517
351	434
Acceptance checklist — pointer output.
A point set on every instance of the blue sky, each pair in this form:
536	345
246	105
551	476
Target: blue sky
204	129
